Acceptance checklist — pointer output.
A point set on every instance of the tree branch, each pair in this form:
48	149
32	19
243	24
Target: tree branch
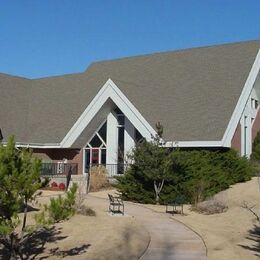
245	206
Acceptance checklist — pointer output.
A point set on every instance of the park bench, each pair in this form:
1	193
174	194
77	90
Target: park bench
116	204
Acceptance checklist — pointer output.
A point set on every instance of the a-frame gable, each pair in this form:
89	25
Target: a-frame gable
109	90
241	104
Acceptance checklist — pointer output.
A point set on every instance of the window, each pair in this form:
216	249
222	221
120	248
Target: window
138	136
121	120
120	140
103	156
118	111
103	132
245	136
256	104
95	142
87	159
95	151
100	138
121	145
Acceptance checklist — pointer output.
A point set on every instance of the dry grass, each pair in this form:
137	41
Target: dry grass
87	237
98	179
233	234
86	211
211	206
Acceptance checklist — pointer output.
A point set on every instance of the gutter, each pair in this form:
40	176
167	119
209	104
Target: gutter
170	144
36	145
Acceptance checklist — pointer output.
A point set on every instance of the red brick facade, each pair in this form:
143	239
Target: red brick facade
236	140
57	155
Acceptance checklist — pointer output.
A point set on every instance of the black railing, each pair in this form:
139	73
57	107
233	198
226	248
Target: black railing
54	169
110	169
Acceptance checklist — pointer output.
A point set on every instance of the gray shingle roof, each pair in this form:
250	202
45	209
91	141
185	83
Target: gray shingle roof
191	92
14	104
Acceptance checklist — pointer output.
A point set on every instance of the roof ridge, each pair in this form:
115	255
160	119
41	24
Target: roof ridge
58	76
174	51
133	57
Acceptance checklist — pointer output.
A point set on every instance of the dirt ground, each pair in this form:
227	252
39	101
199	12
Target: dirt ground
90	237
234	234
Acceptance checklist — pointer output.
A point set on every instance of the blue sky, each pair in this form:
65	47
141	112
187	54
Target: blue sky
54	37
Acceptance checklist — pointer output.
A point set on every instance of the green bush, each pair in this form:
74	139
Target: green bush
59	208
205	173
255	156
195	175
134	188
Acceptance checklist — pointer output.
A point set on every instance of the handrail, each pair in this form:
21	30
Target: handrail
110	169
59	168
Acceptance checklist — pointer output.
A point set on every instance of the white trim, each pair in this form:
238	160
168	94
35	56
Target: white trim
83	162
194	144
241	104
133	115
112	138
109	90
101	139
255	115
36	145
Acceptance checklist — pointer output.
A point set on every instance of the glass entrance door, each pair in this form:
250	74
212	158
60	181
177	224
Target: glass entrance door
95	156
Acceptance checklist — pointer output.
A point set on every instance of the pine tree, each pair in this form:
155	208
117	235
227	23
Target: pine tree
148	173
19	182
19	175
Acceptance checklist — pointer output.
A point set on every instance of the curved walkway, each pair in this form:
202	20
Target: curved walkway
169	239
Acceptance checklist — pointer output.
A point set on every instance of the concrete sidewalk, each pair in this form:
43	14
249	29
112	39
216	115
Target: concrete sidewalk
169	238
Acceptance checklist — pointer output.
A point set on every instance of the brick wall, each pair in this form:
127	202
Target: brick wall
56	155
256	126
236	140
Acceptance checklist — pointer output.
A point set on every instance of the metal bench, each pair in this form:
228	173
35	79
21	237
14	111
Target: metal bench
116	205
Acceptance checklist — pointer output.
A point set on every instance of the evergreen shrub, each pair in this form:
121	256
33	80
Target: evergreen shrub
194	175
256	149
255	156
